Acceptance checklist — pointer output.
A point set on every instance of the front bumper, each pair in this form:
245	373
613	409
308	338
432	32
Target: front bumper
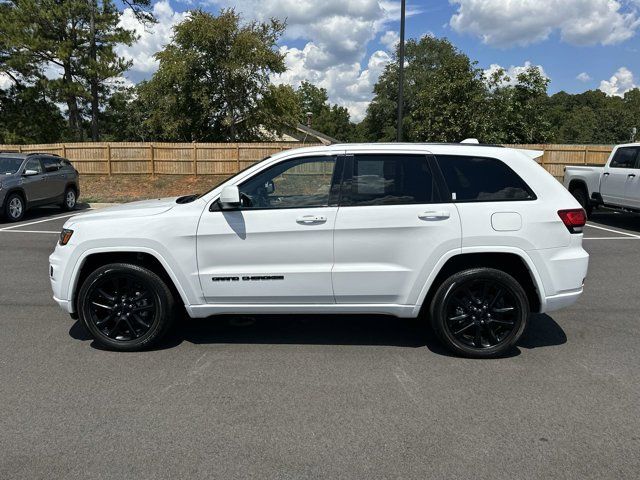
56	277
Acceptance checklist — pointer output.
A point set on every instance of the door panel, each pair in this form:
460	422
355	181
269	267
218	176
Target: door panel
35	186
391	230
384	254
278	246
617	175
239	250
55	177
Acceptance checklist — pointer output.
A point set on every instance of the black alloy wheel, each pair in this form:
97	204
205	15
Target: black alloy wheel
126	307
480	312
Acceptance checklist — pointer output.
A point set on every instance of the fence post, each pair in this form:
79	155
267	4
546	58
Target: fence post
153	160
237	157
64	150
19	148
109	158
195	158
584	157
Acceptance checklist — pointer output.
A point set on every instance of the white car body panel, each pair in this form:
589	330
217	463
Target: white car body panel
361	259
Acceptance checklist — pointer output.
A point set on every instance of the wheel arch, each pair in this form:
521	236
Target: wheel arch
511	261
579	183
20	191
143	257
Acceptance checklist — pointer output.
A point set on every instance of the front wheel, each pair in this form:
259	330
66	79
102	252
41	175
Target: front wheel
480	312
126	307
70	200
14	208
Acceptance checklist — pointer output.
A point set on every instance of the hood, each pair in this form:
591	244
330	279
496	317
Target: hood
144	208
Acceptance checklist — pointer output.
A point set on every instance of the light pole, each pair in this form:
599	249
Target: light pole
401	70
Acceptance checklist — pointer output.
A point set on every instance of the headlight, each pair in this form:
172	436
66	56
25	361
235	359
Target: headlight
65	236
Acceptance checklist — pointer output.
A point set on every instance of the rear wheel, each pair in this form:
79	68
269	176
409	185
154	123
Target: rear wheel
126	307
70	199
14	207
480	312
581	195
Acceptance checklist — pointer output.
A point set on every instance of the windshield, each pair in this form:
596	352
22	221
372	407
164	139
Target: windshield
9	165
233	176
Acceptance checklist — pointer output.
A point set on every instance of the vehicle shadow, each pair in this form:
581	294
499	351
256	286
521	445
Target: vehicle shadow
41	213
364	330
613	219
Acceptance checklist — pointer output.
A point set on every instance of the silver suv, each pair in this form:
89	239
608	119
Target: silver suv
36	179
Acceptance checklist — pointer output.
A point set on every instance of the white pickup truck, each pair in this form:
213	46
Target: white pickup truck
615	185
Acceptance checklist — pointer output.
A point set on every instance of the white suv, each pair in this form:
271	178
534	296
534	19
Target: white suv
472	237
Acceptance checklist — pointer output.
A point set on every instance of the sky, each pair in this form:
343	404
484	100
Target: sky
343	45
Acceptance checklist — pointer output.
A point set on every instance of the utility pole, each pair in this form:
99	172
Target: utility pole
401	70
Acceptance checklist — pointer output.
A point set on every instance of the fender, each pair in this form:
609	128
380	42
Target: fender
484	249
75	272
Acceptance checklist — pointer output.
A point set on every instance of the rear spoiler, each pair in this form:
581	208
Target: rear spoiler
532	154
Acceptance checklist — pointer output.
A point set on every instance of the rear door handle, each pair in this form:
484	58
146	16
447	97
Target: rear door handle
631	175
606	174
434	215
311	219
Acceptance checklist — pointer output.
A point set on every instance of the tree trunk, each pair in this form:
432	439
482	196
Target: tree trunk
72	105
95	106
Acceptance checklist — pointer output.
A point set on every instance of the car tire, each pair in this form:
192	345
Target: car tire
126	307
14	207
70	199
580	194
480	312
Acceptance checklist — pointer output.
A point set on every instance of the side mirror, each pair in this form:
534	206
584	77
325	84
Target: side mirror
30	173
229	197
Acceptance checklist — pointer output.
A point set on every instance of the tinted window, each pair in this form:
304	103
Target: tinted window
303	182
625	157
9	165
51	164
482	179
390	180
33	164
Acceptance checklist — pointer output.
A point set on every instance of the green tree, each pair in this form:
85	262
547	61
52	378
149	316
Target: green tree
75	36
332	120
444	95
28	116
213	80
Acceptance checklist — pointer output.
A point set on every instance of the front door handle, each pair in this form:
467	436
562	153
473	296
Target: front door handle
311	219
434	215
631	175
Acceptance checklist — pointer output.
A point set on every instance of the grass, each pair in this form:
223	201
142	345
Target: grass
127	188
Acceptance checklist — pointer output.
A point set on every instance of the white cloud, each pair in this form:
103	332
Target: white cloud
152	38
349	85
620	82
506	23
512	72
390	40
5	81
336	34
583	77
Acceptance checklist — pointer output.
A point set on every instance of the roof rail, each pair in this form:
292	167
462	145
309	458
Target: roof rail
42	153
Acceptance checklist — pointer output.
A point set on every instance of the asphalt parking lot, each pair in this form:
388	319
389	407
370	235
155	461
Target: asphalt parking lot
320	397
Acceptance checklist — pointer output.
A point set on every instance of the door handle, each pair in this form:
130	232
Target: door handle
631	175
606	174
434	215
311	219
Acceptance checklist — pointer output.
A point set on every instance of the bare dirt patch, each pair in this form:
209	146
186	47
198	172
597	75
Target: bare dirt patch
127	188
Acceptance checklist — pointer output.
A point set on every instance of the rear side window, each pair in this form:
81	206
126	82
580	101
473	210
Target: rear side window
51	164
390	180
480	179
625	157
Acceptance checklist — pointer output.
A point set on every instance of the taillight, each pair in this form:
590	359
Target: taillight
574	219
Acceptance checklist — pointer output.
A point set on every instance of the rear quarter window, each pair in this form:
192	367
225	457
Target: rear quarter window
482	179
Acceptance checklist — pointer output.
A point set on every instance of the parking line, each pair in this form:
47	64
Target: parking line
40	221
611	238
612	230
30	231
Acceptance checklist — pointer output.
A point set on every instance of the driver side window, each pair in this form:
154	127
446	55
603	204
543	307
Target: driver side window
33	164
301	182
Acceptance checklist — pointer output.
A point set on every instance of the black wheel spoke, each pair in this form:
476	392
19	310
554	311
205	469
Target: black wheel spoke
122	307
481	313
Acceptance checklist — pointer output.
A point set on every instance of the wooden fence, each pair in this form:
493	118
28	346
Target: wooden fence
228	158
557	156
118	158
